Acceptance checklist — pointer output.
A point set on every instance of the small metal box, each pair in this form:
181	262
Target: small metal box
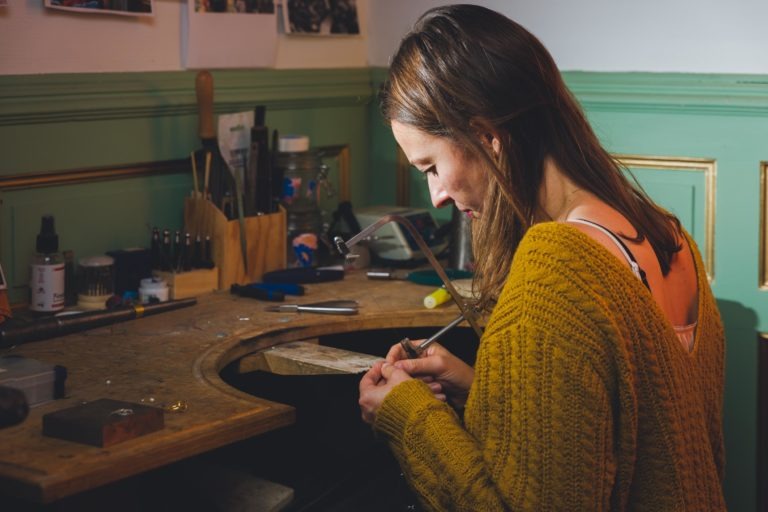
392	241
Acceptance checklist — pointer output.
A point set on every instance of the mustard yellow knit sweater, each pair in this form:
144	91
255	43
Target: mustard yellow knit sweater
583	398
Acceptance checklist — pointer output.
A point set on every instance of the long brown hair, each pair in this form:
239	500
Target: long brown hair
465	70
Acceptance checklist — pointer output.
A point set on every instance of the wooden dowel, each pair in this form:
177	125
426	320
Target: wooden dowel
194	175
207	174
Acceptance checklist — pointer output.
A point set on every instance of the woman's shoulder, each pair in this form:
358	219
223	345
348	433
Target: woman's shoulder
551	252
558	252
555	237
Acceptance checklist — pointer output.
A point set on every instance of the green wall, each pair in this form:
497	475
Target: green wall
71	122
64	122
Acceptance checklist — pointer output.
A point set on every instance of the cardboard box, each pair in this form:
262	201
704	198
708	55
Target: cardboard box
103	422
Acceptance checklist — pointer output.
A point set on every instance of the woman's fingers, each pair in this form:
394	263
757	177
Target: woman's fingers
424	366
435	387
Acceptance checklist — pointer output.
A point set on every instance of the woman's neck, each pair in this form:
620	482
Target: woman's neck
558	195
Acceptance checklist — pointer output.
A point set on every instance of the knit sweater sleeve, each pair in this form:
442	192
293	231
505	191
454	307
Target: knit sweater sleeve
539	419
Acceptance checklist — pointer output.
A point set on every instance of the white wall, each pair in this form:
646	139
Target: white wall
692	36
37	40
702	36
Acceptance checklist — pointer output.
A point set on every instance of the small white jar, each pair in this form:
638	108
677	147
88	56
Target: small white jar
153	287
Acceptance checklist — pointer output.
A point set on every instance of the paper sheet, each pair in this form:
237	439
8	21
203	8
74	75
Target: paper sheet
230	39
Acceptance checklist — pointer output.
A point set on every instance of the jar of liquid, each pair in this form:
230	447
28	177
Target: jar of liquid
304	175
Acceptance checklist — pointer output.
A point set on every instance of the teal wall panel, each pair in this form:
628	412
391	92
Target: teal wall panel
685	193
723	118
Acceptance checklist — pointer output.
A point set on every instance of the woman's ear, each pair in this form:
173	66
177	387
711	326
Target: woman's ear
488	135
495	145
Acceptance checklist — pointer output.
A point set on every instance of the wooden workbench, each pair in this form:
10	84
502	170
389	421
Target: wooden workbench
178	356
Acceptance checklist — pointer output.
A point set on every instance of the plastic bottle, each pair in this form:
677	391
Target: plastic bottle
47	282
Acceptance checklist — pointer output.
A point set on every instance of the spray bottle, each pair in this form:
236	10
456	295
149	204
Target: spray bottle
47	271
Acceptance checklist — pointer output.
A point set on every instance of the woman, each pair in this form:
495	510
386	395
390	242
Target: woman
598	382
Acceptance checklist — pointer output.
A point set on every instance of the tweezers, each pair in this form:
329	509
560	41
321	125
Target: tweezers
330	307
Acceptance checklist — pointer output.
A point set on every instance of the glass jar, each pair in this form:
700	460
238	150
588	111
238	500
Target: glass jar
304	174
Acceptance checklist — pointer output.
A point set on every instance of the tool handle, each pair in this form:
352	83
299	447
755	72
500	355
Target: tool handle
437	297
50	327
204	91
303	275
414	352
328	310
286	288
253	292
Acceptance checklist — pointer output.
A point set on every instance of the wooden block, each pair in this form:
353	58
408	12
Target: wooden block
193	283
265	236
306	358
103	422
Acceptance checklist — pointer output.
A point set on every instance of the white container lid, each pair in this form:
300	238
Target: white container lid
153	283
293	143
97	261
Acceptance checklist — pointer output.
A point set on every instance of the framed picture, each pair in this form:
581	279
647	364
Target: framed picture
321	17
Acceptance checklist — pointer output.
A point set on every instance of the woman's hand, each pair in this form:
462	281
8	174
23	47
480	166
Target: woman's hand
447	375
375	385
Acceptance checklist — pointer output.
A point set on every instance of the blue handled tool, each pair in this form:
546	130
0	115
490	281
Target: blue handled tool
303	275
286	288
253	292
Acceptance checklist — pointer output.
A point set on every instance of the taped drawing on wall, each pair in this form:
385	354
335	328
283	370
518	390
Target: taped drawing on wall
220	34
121	7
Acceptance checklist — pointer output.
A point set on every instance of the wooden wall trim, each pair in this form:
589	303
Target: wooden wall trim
29	99
743	95
70	176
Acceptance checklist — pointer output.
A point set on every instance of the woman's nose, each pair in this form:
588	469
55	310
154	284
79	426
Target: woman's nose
437	193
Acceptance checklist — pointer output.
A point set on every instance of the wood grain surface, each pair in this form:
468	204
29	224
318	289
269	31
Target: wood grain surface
176	358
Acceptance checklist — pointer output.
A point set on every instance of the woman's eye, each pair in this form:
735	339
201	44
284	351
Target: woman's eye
424	174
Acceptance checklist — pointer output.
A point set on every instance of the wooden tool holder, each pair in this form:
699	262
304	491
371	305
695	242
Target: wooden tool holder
265	237
190	283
